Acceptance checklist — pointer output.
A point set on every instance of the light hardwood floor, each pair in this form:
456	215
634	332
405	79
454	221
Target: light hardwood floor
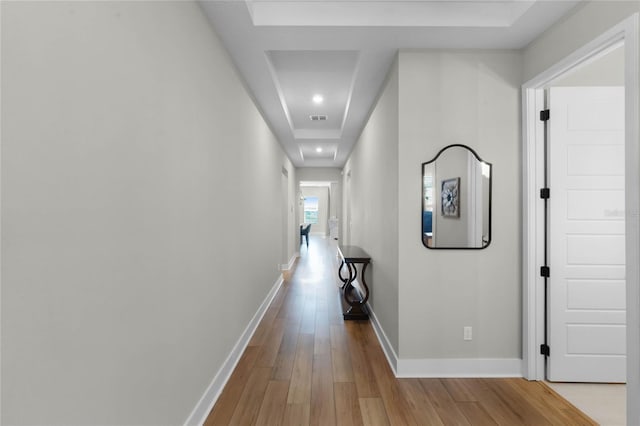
306	366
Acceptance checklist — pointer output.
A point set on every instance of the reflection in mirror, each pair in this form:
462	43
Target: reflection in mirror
456	200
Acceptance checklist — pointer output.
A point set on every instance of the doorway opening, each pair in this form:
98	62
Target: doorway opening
319	207
534	173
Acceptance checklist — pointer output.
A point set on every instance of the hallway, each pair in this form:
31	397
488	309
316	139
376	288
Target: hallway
305	365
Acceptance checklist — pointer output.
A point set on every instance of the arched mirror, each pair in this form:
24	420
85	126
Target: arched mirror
456	200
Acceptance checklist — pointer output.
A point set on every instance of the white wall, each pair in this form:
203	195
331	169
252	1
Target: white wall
584	25
372	199
129	149
468	97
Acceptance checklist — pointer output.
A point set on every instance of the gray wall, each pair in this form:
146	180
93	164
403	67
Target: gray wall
585	24
473	98
130	156
325	174
289	216
607	70
372	199
423	298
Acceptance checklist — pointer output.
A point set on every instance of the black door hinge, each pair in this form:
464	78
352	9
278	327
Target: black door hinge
544	350
545	271
544	115
545	193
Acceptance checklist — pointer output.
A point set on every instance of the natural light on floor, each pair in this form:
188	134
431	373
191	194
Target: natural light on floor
605	403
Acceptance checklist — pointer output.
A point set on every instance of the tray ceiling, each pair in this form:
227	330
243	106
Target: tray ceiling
287	52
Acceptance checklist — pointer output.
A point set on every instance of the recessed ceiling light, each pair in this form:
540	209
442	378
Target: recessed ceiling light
318	149
318	99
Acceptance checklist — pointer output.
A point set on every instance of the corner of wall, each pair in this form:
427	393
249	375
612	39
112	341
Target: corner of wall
387	347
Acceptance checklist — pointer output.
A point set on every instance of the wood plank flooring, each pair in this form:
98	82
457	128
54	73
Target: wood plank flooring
306	366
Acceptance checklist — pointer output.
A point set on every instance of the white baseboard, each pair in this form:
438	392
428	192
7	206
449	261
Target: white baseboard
443	368
288	266
389	352
210	396
462	367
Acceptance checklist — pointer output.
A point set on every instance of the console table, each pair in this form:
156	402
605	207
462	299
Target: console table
351	256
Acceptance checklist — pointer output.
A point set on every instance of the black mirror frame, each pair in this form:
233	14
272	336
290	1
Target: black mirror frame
475	154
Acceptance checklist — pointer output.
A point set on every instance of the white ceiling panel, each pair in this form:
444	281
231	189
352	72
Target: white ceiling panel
301	75
468	13
318	150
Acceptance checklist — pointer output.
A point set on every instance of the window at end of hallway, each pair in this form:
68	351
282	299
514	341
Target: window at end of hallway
310	209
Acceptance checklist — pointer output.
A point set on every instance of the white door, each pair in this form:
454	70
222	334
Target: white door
587	235
284	189
347	198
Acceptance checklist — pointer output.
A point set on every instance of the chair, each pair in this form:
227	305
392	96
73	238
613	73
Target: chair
427	221
427	228
304	232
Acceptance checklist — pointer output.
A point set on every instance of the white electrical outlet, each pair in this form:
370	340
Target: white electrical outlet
468	333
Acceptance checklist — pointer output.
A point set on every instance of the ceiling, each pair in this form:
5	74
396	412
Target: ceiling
289	51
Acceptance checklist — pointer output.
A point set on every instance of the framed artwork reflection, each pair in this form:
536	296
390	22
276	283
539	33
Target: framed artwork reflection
450	197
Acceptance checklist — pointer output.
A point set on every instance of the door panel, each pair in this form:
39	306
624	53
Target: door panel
587	235
595	339
594	250
580	203
604	160
596	294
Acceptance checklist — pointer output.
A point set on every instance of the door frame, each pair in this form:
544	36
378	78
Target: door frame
286	219
533	208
